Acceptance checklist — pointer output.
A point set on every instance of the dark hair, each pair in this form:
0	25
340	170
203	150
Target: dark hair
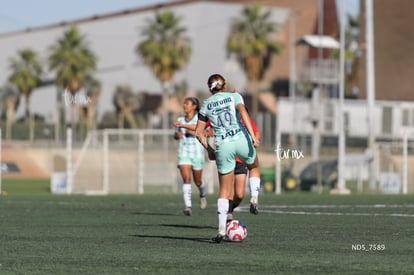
195	102
216	83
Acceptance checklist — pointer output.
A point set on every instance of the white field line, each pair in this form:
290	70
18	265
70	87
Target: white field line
339	206
268	209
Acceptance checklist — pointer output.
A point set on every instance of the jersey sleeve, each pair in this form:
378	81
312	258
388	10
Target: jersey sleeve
202	114
238	99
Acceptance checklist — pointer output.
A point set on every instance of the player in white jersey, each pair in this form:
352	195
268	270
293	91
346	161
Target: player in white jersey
190	154
225	109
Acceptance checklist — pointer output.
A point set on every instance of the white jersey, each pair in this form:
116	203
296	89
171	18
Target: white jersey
189	146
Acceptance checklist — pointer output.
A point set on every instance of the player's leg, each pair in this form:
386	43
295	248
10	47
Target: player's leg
185	171
240	173
226	185
239	190
230	197
225	161
254	183
248	155
198	180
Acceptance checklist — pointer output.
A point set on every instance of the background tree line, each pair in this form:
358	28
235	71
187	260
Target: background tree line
165	49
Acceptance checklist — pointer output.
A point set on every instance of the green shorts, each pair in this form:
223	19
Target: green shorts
197	162
226	154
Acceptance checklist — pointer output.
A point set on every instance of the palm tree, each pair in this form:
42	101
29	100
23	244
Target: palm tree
93	91
10	100
125	102
251	40
72	60
26	73
165	50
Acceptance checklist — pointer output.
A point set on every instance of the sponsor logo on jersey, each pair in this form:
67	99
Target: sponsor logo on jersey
230	133
214	104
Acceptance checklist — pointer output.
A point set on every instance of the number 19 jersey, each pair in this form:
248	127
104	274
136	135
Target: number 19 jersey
230	136
220	109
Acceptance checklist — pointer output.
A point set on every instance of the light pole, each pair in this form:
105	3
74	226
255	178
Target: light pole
292	71
369	36
341	188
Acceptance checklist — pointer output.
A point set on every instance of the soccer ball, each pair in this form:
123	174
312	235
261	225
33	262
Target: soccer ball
236	231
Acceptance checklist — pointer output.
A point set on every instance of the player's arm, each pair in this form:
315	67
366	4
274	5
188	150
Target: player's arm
199	133
246	118
189	127
255	129
178	133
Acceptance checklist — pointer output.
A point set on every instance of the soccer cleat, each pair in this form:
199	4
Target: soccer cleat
203	202
218	238
187	211
253	208
229	217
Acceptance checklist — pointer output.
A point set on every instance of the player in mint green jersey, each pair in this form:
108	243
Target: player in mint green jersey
225	110
190	154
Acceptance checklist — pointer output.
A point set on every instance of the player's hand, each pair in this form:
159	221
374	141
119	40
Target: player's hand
178	135
208	132
211	154
256	142
178	124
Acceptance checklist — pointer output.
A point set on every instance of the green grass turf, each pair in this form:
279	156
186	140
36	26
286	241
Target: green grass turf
32	186
148	234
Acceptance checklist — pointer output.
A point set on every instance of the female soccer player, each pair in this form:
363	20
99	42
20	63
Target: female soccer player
240	174
190	154
225	109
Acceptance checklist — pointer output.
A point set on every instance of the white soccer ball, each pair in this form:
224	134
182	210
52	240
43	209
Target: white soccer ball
236	231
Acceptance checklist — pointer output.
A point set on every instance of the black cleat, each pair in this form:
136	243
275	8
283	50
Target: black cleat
187	211
218	238
253	208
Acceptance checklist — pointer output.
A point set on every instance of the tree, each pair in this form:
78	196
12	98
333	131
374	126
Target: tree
251	41
93	91
125	102
165	50
72	60
26	75
10	100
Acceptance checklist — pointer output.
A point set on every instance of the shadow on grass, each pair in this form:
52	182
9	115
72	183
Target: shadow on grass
201	240
189	226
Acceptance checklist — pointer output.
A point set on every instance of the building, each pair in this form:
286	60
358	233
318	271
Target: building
113	37
394	56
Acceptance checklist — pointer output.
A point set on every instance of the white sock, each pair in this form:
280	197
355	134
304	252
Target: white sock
187	194
202	190
222	209
254	183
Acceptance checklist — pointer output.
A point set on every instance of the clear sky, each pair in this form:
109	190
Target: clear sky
21	14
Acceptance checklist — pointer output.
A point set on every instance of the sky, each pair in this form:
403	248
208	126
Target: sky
20	14
17	15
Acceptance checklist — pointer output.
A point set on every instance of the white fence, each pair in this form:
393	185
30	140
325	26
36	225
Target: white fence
121	161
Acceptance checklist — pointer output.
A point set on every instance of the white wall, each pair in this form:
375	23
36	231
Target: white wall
114	40
356	110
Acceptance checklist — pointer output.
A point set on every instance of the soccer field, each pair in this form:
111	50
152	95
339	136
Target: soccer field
293	234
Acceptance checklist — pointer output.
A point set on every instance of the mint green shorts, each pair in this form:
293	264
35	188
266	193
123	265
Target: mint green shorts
197	161
226	154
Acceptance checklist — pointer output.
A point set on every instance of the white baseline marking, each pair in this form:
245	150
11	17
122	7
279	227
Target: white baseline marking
268	209
339	206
